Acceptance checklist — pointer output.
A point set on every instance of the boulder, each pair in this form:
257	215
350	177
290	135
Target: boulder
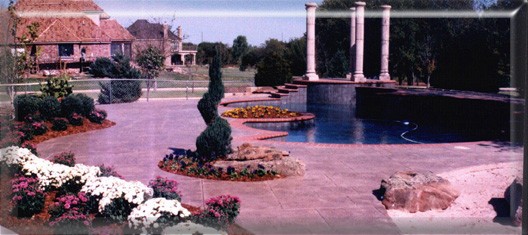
247	151
284	167
513	195
414	191
261	157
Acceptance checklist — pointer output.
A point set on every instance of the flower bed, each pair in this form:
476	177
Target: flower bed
259	111
129	205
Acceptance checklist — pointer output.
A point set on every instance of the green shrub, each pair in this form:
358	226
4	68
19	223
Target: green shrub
214	141
71	104
273	70
56	87
25	105
76	119
208	108
119	92
87	104
97	116
59	124
50	107
102	68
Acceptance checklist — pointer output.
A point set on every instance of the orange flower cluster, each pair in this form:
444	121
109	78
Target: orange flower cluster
259	111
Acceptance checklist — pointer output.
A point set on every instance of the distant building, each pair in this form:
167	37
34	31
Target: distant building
70	30
161	37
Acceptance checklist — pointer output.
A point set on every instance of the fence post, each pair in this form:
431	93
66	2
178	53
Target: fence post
110	90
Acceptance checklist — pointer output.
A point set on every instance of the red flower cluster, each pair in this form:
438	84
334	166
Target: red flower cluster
26	195
165	188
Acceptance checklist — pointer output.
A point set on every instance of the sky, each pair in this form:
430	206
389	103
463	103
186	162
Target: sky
217	20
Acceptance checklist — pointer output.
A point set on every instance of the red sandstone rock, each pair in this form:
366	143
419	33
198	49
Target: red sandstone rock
413	191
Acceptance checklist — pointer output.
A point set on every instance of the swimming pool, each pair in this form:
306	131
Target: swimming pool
339	124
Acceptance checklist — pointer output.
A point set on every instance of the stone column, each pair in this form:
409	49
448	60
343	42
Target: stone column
360	32
310	42
194	59
352	49
385	31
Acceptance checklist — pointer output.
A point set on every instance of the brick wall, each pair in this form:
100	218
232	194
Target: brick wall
50	53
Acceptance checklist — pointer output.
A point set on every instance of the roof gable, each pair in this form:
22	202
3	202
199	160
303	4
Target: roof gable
56	6
142	29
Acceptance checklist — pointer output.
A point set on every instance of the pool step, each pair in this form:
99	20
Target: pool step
294	86
277	94
284	89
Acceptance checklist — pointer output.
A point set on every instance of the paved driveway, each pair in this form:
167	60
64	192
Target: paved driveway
335	195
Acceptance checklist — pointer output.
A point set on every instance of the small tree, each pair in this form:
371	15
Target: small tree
273	70
151	62
215	140
117	91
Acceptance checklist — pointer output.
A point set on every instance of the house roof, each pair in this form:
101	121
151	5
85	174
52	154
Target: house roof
80	27
57	6
115	31
142	29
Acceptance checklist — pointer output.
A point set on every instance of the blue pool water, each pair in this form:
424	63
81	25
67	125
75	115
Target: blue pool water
338	124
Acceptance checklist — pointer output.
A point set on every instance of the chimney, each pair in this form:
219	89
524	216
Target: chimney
165	31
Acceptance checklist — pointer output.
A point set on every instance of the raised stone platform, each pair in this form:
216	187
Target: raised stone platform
337	91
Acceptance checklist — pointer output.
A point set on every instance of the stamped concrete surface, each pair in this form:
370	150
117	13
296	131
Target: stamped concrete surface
335	196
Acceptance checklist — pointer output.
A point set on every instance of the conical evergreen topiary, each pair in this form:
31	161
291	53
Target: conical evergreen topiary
208	108
216	87
215	141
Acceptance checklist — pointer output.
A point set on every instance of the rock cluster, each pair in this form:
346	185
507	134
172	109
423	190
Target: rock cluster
255	157
513	195
413	191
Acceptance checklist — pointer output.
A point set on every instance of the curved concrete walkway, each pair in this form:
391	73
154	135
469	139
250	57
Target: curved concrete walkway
335	195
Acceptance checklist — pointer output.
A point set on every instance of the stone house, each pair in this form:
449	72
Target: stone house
70	30
160	36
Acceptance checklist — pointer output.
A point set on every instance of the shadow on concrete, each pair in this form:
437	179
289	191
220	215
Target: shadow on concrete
378	193
502	208
502	146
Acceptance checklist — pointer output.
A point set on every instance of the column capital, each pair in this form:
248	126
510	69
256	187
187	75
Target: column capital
386	6
310	5
353	9
360	4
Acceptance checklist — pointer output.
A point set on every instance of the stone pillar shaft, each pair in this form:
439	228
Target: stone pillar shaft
360	38
352	49
385	32
310	42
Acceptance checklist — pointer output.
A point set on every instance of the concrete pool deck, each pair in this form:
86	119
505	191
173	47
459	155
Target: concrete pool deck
335	195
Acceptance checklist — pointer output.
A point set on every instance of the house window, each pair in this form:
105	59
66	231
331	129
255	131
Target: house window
65	49
115	49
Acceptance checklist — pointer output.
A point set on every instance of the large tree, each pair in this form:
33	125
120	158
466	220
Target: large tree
240	48
274	68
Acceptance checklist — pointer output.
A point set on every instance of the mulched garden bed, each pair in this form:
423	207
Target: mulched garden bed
87	126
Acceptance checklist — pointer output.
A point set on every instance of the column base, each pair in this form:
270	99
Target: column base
384	77
359	78
311	77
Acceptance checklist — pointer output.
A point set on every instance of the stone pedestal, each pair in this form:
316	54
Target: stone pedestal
385	30
310	42
360	32
352	49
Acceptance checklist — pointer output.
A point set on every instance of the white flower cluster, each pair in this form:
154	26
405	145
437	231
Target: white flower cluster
110	188
51	175
146	214
14	155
